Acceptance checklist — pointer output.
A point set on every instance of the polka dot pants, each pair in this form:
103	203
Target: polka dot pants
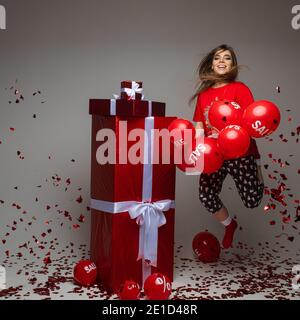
244	174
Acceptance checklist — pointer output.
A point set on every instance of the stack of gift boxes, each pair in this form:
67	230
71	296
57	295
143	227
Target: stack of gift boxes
132	204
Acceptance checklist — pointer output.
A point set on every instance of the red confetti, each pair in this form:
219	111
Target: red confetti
286	219
79	199
47	260
81	218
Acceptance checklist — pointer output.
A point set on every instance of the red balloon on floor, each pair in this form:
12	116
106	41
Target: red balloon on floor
157	287
85	273
130	290
233	141
261	118
206	247
223	113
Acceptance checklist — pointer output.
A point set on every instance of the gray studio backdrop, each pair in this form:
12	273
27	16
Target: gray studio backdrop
74	50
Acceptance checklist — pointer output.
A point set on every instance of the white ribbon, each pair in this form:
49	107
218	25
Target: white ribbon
112	107
149	108
131	92
149	216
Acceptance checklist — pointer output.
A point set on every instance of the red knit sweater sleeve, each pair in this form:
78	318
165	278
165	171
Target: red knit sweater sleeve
198	114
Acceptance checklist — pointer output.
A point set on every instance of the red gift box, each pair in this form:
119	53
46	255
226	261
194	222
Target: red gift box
115	190
131	90
130	108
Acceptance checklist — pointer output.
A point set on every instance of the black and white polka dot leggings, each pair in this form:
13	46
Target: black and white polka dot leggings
244	174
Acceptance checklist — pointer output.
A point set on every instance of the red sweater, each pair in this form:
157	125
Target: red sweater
234	91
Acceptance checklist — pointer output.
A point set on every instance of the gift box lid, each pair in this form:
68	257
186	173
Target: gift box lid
128	108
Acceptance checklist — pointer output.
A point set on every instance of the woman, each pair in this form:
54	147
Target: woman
218	72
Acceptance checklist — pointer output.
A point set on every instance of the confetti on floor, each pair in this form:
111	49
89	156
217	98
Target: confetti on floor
242	272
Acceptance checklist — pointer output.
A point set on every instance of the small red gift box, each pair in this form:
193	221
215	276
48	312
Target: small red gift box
123	197
131	90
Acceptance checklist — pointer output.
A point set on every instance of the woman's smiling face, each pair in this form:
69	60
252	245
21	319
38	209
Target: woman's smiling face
222	62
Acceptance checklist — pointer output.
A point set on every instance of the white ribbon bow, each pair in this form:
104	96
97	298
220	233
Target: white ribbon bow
150	216
133	90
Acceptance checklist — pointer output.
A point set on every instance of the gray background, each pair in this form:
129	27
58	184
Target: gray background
76	50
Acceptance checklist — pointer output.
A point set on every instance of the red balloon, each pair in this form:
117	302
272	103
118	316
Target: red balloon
213	158
179	130
183	160
188	169
204	156
85	273
130	290
206	247
233	141
186	166
261	118
223	113
157	287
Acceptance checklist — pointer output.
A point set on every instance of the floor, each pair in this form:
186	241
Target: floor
243	272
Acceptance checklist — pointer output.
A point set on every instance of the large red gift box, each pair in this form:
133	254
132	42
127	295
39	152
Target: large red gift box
118	189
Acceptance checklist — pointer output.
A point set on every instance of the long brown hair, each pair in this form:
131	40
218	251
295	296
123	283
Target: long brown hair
207	77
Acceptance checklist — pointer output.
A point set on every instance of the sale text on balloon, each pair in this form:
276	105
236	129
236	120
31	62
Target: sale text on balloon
260	129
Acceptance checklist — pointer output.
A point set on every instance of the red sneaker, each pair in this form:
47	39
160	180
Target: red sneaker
229	233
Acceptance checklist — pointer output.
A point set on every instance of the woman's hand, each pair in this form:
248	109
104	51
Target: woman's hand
259	174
